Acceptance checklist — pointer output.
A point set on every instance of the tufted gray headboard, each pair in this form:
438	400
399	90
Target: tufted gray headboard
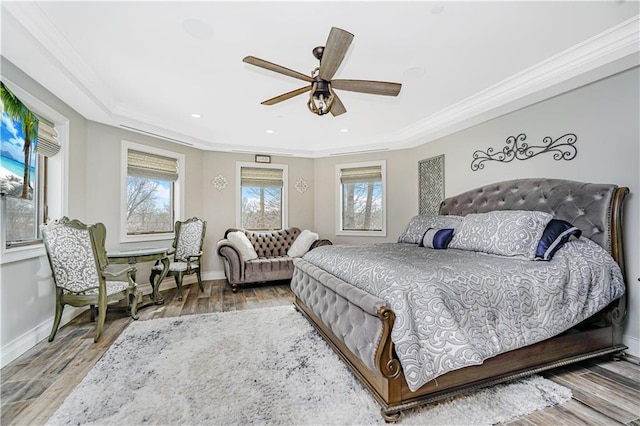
593	208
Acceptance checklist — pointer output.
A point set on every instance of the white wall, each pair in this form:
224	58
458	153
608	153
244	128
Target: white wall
27	299
219	206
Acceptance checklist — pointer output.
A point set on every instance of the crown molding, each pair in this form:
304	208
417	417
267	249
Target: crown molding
613	50
60	54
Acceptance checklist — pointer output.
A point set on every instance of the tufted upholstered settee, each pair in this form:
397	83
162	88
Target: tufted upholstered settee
272	264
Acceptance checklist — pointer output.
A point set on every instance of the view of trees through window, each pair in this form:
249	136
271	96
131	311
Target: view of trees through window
149	205
261	207
362	206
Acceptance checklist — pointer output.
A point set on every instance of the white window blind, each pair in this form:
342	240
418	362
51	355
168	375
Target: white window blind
48	143
261	177
361	174
152	166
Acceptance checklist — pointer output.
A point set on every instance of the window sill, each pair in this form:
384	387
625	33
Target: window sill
362	233
22	253
142	238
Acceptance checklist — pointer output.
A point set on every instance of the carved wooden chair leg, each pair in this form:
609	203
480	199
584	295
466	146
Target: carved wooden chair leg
199	280
133	305
178	278
102	314
58	317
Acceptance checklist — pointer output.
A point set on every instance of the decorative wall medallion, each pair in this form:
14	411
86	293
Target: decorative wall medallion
220	182
431	184
563	149
302	186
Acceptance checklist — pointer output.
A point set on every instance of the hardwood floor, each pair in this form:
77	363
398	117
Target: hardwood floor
33	386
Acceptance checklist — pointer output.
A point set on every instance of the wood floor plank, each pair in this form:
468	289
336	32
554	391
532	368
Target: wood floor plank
600	400
11	411
626	369
523	421
202	305
33	386
585	414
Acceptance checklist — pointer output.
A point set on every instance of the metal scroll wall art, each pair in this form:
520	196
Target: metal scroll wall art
563	148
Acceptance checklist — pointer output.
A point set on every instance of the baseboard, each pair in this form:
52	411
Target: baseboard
633	344
169	282
22	344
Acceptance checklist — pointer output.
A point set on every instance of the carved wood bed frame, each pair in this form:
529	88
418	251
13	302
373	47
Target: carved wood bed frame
597	336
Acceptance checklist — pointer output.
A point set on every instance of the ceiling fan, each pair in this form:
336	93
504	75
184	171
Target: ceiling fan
322	98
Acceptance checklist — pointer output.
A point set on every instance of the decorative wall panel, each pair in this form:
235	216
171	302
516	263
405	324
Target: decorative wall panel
431	184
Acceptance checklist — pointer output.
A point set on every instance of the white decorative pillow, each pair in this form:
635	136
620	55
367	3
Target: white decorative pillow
419	224
513	233
242	243
302	244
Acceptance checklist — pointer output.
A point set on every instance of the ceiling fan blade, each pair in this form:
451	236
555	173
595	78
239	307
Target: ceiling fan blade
384	88
286	96
276	68
337	107
336	48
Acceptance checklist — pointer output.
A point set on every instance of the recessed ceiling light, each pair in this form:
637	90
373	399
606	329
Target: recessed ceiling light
414	72
271	131
197	29
344	130
437	9
196	115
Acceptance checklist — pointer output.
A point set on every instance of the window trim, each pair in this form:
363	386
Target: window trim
285	189
179	191
58	176
339	194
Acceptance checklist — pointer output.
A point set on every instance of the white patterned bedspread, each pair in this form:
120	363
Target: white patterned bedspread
456	308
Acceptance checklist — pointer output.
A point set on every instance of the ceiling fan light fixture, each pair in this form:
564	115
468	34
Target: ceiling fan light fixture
321	97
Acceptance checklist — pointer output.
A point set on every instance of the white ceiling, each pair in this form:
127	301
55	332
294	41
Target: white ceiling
150	65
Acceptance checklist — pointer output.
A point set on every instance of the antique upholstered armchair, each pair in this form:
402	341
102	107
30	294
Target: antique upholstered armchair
187	243
78	261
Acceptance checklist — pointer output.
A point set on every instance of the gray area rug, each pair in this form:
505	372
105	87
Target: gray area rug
262	366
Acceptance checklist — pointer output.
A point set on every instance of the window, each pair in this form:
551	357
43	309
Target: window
151	196
28	140
361	199
262	196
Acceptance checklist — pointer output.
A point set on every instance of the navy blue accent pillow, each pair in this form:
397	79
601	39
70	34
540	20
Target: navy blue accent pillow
437	238
555	235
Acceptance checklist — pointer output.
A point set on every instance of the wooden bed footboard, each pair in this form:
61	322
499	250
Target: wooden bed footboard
389	387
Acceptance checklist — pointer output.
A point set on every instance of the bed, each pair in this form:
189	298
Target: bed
417	324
